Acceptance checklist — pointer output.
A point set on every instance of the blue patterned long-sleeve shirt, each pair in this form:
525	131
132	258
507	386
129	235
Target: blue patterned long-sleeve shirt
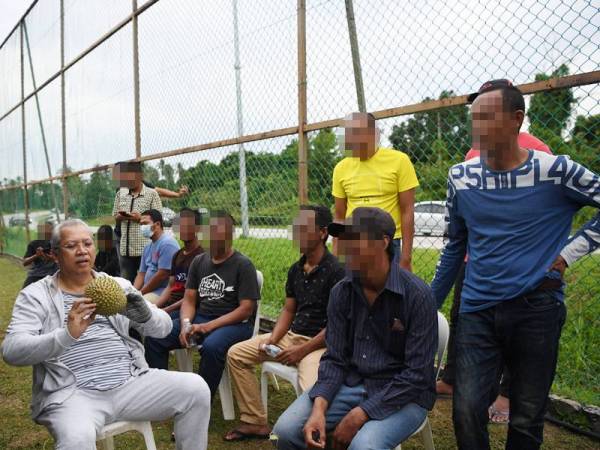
389	346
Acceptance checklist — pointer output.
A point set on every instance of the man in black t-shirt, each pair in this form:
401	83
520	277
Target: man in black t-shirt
39	256
188	225
300	328
220	301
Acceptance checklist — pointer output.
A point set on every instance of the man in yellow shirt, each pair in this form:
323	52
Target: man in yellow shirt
377	177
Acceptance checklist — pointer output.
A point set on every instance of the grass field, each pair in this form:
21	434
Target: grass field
18	431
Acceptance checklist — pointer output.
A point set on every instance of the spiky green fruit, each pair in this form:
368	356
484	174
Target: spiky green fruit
108	296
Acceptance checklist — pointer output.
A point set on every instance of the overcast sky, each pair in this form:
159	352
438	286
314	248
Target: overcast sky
187	76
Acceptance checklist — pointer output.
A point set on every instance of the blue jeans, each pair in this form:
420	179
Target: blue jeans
213	352
522	334
374	435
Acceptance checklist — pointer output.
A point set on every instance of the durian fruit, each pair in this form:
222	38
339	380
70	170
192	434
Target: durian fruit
108	296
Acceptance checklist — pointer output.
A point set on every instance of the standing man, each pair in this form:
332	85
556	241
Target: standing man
376	379
513	208
157	257
376	177
300	328
131	200
220	301
188	225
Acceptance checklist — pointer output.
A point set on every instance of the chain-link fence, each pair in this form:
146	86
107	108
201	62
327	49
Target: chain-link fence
236	99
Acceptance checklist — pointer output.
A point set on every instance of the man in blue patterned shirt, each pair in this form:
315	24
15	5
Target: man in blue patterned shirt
376	380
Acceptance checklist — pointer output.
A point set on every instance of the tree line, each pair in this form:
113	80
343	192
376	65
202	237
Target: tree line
434	140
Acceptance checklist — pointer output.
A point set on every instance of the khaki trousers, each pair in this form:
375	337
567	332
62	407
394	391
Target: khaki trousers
241	361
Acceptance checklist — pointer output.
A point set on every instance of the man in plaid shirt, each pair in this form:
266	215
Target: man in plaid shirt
131	200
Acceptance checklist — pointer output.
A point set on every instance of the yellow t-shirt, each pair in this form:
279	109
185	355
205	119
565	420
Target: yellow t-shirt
375	182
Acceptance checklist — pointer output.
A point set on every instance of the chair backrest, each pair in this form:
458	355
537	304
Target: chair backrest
443	335
260	279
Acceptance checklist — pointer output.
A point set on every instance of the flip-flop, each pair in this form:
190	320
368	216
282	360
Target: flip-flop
236	436
498	416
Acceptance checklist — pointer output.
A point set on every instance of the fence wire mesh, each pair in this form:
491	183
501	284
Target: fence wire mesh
189	95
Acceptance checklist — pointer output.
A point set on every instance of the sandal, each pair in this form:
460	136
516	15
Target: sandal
236	436
498	416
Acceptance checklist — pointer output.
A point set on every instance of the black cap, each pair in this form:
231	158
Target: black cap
374	221
491	85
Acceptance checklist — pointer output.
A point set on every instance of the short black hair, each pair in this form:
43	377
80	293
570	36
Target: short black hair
129	166
222	214
512	99
390	250
189	212
323	216
155	215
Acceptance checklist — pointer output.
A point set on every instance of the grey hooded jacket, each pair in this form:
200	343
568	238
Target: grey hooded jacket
37	336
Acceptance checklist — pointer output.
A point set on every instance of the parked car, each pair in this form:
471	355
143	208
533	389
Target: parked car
18	221
429	218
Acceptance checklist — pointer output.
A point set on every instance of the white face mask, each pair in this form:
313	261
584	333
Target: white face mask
146	230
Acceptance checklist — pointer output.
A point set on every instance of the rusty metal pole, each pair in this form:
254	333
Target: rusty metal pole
41	122
136	81
63	125
358	81
25	190
302	135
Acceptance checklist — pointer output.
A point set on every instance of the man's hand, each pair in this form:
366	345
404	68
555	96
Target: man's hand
314	429
183	191
560	265
135	216
183	338
405	263
202	328
137	310
291	355
263	342
81	315
348	427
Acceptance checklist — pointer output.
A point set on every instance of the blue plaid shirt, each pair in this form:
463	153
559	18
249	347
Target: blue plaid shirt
389	347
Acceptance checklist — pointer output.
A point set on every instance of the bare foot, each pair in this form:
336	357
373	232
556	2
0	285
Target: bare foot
443	388
500	410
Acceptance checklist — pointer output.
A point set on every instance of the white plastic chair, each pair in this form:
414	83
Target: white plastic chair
425	429
289	373
109	431
185	364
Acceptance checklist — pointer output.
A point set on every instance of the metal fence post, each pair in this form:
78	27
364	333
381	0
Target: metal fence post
136	80
25	190
240	125
302	135
62	112
41	123
358	81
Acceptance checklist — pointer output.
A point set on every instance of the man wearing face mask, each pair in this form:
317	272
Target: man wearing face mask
155	266
220	299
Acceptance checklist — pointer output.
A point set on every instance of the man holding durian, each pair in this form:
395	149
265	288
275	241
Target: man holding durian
87	371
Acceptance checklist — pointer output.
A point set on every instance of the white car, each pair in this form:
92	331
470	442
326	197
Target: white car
429	218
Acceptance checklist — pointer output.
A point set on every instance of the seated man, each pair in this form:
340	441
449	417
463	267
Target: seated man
39	256
188	224
107	258
155	265
87	371
307	290
219	300
376	379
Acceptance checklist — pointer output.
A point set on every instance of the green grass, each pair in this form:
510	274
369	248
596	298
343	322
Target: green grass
578	374
18	431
